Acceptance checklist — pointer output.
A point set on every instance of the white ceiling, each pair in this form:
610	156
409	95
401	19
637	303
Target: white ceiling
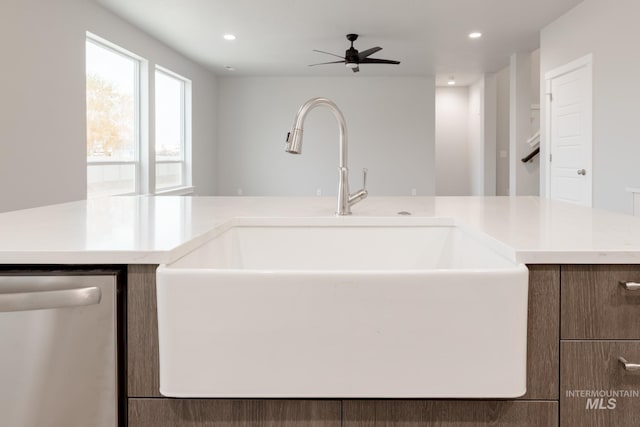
276	37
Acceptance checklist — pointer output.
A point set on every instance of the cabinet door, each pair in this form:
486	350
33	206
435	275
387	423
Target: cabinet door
234	413
449	413
595	389
595	306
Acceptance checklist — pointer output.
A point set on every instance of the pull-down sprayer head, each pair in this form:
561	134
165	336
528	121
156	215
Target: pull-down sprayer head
294	138
294	141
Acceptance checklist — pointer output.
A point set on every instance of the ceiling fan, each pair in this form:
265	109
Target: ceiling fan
352	58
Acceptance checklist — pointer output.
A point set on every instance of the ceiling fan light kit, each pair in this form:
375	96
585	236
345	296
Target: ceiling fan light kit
352	58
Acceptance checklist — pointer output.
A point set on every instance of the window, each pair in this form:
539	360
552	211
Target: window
171	135
120	150
113	128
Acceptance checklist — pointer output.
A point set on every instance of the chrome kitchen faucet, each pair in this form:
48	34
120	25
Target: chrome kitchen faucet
294	146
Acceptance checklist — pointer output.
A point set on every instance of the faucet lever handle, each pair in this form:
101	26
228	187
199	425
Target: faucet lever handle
364	178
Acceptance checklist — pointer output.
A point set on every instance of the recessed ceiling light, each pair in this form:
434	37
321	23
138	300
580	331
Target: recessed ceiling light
475	35
229	37
229	68
451	81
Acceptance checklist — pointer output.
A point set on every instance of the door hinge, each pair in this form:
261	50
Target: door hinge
550	96
550	157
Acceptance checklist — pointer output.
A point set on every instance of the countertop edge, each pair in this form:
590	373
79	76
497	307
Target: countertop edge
146	230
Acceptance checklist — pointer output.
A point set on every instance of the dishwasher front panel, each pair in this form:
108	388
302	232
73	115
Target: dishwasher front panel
58	360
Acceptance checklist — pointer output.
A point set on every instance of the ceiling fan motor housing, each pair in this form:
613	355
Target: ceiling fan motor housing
351	57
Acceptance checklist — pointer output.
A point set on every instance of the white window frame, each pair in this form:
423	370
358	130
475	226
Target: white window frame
144	128
140	66
185	112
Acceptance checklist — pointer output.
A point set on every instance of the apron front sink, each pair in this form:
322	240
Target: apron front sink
343	307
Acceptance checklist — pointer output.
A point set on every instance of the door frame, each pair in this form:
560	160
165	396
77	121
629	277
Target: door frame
585	62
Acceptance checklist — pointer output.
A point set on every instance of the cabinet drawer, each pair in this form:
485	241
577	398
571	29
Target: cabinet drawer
595	389
595	306
234	413
449	413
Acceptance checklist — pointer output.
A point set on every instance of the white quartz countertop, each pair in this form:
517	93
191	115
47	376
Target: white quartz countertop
155	230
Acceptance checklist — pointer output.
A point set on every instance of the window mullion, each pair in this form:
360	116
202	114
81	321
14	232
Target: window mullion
147	136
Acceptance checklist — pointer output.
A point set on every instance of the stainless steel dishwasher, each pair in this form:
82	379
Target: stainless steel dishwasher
58	352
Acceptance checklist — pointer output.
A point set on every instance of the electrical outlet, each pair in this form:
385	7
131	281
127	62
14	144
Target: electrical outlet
414	192
318	191
239	191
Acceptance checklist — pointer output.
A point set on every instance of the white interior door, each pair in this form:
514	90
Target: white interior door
569	120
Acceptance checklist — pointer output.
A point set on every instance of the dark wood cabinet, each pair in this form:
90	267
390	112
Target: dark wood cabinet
596	389
580	322
449	413
143	367
600	322
543	332
234	413
595	306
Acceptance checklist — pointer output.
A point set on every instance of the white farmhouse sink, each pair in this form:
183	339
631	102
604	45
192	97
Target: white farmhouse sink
343	308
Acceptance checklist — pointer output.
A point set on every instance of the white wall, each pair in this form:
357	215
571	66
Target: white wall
390	125
535	76
476	152
502	132
608	29
452	141
42	107
466	139
489	132
524	178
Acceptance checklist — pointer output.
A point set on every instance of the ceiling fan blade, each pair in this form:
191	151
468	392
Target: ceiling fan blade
355	69
328	53
368	52
324	63
378	61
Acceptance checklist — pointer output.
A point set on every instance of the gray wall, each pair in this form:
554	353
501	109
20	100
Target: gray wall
608	29
466	139
452	141
502	132
489	132
390	123
42	107
476	137
524	178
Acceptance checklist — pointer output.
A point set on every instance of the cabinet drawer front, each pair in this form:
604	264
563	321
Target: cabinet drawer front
449	413
335	413
233	413
595	388
594	304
